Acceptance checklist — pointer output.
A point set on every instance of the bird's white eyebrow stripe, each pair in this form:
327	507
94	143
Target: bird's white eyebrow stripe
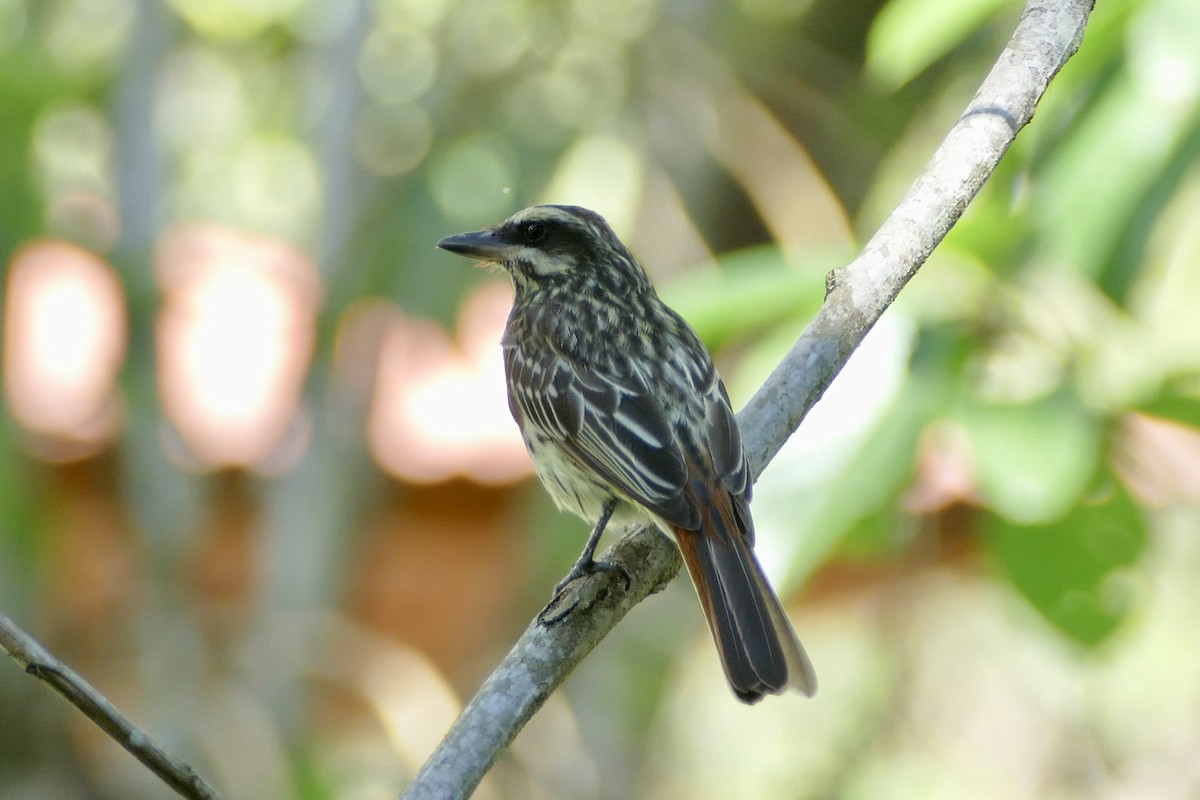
543	214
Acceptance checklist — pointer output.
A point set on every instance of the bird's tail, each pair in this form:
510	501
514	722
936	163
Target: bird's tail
758	648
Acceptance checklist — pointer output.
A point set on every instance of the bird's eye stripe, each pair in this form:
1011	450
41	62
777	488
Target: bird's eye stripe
535	232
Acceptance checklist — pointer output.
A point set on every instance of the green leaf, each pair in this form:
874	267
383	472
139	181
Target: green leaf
1069	568
1128	112
753	290
1184	410
909	35
1033	460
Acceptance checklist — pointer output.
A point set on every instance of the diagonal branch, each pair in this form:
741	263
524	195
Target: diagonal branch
39	663
1048	33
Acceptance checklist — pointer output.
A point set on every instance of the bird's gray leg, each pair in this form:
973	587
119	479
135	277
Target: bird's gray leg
585	565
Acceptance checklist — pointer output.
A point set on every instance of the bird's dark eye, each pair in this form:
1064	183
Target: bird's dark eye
535	232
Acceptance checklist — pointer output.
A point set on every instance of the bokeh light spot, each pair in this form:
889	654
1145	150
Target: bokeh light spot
234	337
488	36
72	149
397	63
1163	54
86	37
235	19
276	186
439	406
473	180
392	138
64	341
587	85
201	100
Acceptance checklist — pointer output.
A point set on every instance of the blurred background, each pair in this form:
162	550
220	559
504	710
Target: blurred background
258	482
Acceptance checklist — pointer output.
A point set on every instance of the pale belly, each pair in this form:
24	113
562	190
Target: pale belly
577	491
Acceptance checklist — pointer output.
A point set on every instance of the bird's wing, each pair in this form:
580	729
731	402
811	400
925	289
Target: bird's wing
611	424
724	442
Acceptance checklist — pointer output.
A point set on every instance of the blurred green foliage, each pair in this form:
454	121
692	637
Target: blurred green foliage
1064	566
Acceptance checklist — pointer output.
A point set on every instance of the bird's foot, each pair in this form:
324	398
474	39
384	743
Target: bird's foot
574	592
584	569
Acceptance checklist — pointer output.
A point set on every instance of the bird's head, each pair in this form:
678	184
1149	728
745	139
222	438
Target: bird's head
544	245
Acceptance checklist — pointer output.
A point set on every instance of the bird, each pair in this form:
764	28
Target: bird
626	420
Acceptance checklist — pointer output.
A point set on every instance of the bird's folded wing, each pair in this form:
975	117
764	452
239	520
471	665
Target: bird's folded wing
611	425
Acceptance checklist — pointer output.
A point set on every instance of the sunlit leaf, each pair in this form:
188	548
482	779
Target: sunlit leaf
909	35
853	453
865	492
1069	569
864	501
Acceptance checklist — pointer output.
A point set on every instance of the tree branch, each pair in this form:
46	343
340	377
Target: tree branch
38	662
1048	33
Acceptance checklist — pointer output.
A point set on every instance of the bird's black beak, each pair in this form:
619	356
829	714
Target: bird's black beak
483	245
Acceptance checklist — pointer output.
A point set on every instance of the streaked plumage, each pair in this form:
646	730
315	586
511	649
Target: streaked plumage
621	408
